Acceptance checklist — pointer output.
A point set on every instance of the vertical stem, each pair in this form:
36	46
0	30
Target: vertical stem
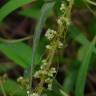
2	89
91	2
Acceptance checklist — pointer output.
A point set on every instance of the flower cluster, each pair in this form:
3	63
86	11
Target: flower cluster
50	34
42	70
63	19
47	73
63	7
49	79
23	82
58	44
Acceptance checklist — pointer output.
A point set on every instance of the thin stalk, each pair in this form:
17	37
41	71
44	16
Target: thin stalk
40	88
15	41
2	89
87	5
91	2
63	93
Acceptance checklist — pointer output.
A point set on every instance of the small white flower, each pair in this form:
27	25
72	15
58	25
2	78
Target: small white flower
62	8
68	0
50	86
28	93
53	70
48	80
34	94
67	20
44	72
37	74
42	66
60	44
50	34
44	61
20	79
50	74
63	20
59	21
48	46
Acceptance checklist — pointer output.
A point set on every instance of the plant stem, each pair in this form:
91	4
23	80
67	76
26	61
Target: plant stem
62	29
50	56
88	6
3	90
91	2
15	41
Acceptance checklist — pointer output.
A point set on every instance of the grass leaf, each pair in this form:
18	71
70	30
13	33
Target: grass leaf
78	36
20	53
81	78
11	6
31	13
13	89
71	76
45	10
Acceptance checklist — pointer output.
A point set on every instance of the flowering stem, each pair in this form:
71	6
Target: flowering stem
56	40
40	88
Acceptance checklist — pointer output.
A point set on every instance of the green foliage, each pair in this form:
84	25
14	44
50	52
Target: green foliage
13	89
85	59
17	53
92	26
31	12
77	35
11	6
26	57
5	67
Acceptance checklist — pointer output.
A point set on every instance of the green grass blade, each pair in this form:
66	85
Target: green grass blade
57	90
46	9
11	88
11	6
44	15
78	36
69	81
81	78
20	53
31	13
71	76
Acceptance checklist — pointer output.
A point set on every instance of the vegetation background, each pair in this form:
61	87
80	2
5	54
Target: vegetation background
20	19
